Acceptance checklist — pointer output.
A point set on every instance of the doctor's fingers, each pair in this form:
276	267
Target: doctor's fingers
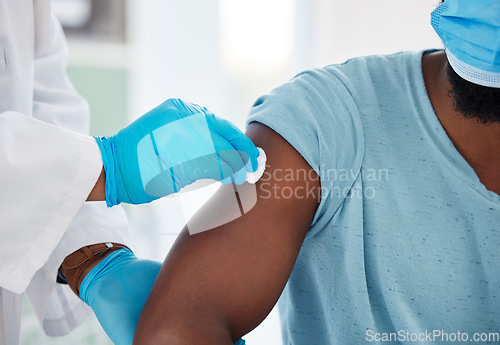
235	159
238	140
209	166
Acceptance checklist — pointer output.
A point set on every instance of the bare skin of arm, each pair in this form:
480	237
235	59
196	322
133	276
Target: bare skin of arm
218	285
98	192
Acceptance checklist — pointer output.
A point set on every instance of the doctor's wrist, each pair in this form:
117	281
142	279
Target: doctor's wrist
98	193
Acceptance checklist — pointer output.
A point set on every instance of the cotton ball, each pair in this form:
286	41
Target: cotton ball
253	177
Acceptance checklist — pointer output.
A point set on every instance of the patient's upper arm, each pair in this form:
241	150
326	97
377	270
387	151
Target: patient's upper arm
217	285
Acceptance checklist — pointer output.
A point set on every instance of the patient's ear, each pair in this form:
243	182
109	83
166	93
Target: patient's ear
233	200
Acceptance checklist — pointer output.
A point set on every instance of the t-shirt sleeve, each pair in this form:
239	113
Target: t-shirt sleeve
316	113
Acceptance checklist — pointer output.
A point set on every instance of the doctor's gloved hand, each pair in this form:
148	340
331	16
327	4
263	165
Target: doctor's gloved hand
170	147
116	290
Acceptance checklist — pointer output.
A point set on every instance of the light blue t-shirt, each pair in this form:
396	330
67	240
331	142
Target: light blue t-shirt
406	239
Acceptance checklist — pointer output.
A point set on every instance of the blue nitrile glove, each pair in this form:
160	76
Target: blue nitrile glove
116	290
170	147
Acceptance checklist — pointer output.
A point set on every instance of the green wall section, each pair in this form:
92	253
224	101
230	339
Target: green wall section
106	92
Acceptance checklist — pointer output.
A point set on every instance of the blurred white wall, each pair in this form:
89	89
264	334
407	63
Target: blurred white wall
223	54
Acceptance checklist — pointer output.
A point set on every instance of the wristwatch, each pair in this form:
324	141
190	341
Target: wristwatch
71	270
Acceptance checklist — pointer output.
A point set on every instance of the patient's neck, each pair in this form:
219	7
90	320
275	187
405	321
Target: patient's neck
478	143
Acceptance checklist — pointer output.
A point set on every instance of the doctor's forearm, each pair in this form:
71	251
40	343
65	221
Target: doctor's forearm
98	192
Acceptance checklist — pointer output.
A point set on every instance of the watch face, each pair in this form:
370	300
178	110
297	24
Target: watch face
61	279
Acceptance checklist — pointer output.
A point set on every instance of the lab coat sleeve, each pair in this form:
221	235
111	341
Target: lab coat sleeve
46	174
55	101
47	170
57	308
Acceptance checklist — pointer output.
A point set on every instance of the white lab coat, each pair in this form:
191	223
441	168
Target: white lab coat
47	168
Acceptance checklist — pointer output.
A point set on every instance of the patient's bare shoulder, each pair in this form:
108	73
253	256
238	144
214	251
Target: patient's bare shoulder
217	285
